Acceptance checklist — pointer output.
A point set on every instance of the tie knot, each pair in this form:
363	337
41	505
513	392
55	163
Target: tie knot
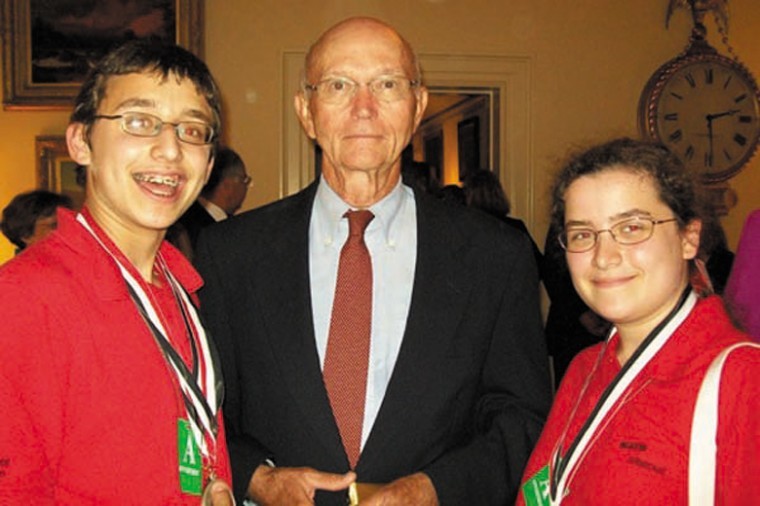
358	221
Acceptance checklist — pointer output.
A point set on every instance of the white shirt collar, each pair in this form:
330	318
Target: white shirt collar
330	208
214	210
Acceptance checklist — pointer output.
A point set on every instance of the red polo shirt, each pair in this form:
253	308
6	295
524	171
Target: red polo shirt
89	407
640	454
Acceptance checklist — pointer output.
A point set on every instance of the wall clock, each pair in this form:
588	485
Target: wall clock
705	107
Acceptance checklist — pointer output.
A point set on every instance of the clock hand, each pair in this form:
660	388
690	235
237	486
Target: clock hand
709	159
711	117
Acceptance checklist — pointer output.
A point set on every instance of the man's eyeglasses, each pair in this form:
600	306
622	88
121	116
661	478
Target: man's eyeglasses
244	178
339	90
141	124
628	232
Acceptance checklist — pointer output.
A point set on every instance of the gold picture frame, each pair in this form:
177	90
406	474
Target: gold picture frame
45	71
56	171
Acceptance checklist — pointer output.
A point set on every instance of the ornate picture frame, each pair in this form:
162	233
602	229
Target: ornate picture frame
56	171
45	57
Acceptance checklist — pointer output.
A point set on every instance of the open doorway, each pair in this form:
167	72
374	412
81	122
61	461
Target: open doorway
459	132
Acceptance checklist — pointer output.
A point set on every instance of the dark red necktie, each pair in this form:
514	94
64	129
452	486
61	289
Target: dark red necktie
347	356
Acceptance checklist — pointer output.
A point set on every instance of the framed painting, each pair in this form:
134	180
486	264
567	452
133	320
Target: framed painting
51	44
56	171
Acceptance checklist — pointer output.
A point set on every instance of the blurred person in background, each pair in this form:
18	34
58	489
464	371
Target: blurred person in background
743	287
31	216
220	198
483	190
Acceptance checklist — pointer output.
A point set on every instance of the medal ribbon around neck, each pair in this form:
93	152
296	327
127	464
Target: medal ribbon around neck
562	467
201	388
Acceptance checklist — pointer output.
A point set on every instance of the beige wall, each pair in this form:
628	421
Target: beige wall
588	64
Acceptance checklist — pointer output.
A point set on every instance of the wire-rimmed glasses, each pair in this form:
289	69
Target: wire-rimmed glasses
339	90
142	124
628	232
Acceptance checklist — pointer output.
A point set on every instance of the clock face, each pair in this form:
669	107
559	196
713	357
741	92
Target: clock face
705	109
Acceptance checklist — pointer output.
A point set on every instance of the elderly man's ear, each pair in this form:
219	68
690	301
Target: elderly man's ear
301	104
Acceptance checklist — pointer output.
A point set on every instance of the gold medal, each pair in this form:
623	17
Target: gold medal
206	499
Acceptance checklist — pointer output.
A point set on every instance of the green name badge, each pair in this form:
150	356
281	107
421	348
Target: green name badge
536	490
190	462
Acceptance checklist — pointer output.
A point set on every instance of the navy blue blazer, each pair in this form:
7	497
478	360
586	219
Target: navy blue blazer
470	389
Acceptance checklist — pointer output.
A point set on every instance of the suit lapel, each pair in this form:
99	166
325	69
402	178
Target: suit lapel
287	302
440	287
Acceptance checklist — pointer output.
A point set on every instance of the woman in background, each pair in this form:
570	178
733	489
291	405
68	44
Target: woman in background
483	190
619	429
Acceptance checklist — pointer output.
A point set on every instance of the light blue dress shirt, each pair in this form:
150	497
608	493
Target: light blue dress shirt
391	238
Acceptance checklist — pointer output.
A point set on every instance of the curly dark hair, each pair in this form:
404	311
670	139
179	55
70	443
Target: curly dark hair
676	187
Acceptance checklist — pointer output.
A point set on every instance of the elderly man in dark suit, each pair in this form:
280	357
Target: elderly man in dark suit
412	358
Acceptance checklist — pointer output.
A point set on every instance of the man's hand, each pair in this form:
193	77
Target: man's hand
293	486
414	489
